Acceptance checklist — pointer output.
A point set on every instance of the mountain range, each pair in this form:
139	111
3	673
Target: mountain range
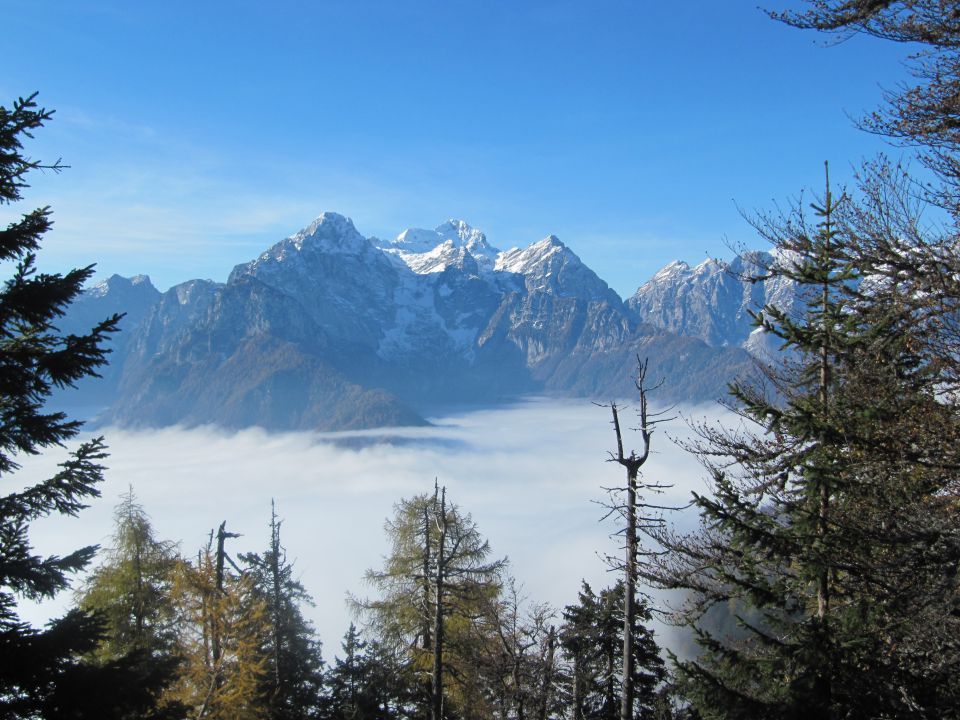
332	330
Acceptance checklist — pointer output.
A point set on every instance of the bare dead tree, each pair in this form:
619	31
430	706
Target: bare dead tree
215	634
638	515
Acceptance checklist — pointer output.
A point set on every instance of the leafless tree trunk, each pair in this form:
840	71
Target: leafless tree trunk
276	586
632	463
577	699
436	685
548	671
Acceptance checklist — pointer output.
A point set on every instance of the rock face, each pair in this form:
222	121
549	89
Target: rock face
132	297
328	329
713	301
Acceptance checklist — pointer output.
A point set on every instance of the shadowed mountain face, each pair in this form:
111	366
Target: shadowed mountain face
328	329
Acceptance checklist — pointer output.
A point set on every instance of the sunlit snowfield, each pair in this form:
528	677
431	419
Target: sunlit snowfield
530	475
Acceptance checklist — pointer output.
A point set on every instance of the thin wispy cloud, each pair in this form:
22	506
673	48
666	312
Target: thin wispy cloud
116	126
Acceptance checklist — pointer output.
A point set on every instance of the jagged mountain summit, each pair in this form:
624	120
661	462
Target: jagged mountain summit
329	329
713	300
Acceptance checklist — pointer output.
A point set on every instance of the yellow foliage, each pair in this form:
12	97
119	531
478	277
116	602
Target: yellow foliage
221	638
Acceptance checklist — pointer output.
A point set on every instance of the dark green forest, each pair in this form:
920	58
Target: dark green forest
821	582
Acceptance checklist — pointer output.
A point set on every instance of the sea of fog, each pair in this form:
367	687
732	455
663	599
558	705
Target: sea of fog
530	474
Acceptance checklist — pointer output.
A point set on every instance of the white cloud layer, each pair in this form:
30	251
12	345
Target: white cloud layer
530	475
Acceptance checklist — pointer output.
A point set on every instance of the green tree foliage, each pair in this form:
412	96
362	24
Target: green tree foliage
829	529
130	591
130	588
770	537
592	640
294	671
41	674
433	586
369	683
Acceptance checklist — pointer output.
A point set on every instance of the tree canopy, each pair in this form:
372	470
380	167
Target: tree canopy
40	670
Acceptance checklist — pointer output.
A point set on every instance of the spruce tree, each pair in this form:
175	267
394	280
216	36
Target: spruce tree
592	639
293	682
368	683
40	670
829	529
767	540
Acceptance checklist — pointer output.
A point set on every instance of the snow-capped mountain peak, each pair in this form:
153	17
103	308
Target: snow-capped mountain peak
669	272
415	240
117	283
525	260
429	251
714	299
331	232
550	266
462	231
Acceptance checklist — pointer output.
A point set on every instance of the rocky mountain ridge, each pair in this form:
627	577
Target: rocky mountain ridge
328	329
713	300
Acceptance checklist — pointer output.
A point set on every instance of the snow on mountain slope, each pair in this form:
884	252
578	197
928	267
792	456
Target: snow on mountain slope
550	266
713	300
328	328
430	251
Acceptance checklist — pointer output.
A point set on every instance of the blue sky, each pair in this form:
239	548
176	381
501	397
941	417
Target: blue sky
198	134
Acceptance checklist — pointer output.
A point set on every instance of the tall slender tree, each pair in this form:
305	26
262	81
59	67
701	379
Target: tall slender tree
767	538
433	584
41	673
639	515
293	683
130	591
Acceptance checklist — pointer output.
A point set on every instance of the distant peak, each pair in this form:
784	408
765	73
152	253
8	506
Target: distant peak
330	232
441	246
710	263
459	227
330	220
549	244
117	282
674	267
522	260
